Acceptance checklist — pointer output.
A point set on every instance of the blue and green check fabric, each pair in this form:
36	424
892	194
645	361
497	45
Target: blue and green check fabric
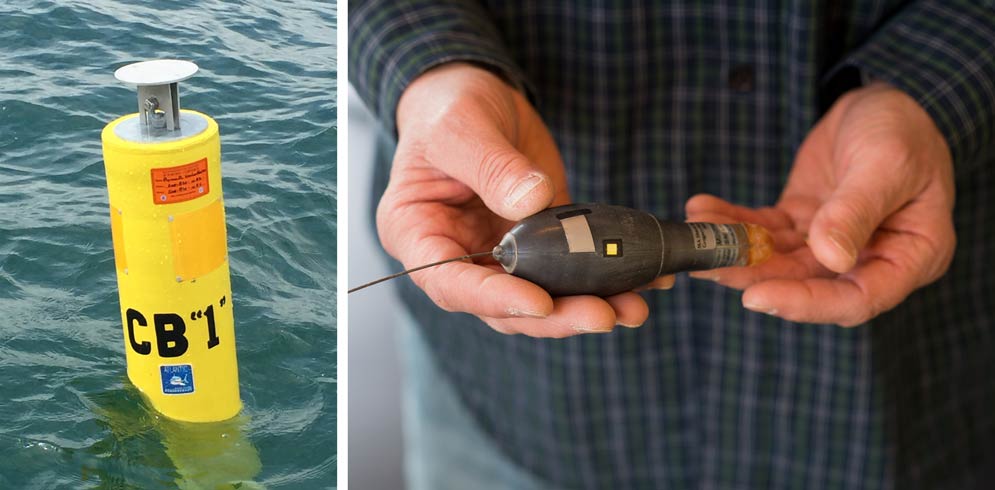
653	102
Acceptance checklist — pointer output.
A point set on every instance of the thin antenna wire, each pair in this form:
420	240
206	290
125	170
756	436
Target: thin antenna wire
416	269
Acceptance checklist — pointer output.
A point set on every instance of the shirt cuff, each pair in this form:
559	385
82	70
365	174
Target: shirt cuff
943	55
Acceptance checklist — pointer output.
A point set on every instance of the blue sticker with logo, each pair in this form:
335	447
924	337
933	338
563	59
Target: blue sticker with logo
176	379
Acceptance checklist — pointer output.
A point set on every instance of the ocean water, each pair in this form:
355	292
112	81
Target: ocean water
69	418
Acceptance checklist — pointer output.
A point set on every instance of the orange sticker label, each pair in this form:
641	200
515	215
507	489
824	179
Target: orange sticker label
177	184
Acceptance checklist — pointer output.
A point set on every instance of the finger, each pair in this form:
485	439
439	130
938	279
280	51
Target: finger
571	315
866	195
784	240
878	284
837	301
779	224
800	207
631	309
481	157
799	264
769	217
841	301
470	288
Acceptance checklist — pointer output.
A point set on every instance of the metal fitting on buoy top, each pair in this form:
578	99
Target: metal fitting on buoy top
163	168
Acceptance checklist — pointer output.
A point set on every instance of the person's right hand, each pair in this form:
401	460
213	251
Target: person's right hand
473	157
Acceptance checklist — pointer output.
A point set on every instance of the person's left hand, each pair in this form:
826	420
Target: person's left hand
864	220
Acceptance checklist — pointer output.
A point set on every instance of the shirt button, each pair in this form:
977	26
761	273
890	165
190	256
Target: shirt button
741	78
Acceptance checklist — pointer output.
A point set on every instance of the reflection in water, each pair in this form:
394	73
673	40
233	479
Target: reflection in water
211	455
143	449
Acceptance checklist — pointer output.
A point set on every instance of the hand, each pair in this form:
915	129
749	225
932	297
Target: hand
864	220
472	158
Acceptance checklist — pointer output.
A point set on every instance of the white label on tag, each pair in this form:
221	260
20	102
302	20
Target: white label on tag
579	238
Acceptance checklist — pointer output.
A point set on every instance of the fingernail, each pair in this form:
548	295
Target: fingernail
843	243
667	285
760	308
707	275
523	188
630	326
524	313
586	329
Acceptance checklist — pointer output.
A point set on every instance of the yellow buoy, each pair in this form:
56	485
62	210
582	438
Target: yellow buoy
167	213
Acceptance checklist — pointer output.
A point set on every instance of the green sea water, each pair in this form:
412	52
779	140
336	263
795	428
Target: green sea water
69	418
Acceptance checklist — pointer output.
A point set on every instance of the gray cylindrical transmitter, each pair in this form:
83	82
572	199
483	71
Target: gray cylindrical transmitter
604	250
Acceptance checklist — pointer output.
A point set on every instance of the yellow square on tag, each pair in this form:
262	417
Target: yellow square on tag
611	249
199	241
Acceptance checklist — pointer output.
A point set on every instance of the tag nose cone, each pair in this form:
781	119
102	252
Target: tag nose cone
506	253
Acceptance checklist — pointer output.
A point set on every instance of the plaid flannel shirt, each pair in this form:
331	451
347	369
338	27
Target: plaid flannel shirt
652	102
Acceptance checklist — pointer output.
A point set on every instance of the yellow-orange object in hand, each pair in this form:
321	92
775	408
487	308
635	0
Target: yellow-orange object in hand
168	227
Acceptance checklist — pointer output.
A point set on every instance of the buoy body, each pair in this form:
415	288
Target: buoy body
171	255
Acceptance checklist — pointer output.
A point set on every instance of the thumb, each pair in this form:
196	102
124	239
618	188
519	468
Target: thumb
867	194
510	184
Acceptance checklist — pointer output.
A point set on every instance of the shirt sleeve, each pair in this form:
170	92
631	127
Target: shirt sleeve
391	42
942	53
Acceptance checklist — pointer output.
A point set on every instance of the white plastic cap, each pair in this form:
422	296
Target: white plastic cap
156	72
